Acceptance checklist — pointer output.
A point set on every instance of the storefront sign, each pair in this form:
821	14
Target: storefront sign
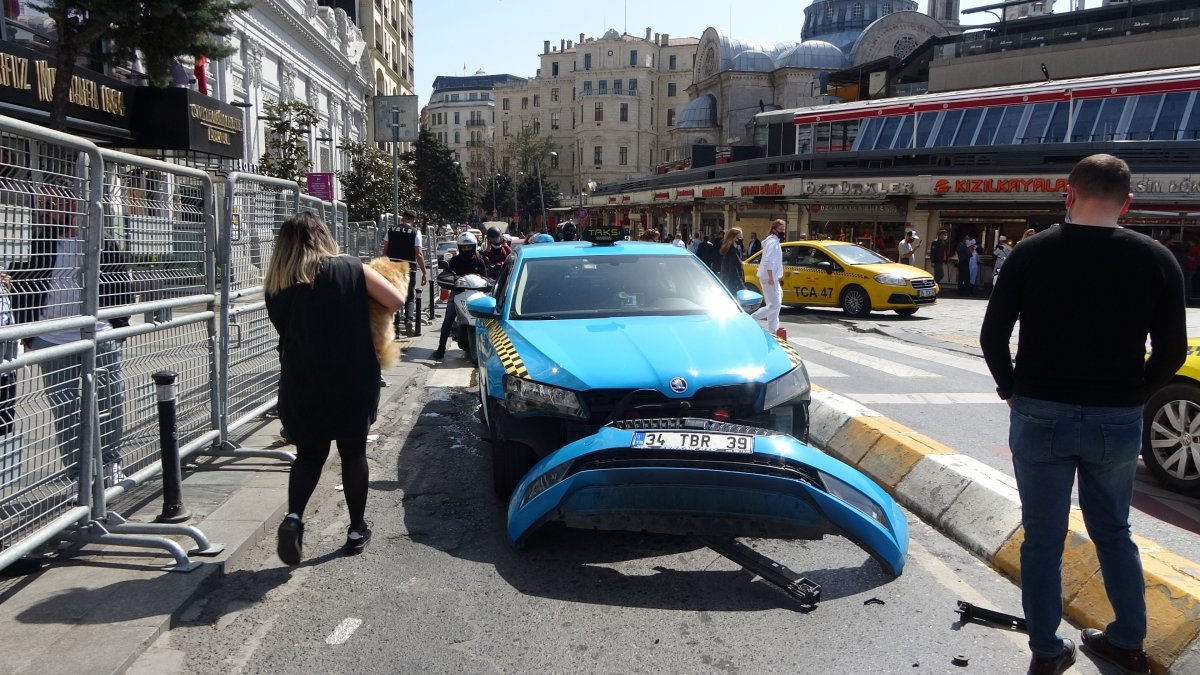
1007	185
612	200
27	80
182	119
712	193
889	211
685	193
624	198
764	190
858	189
658	196
1172	186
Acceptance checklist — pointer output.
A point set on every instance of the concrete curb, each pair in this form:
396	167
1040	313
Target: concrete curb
978	507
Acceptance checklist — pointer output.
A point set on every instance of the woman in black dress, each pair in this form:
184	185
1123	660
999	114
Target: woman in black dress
730	261
329	374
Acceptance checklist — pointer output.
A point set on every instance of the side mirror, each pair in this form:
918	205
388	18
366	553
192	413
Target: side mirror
483	307
825	265
748	299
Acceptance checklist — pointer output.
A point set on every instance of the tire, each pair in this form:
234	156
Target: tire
856	302
1169	449
906	311
461	338
510	462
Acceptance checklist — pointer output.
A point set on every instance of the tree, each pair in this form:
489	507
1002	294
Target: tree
287	155
527	149
158	29
529	199
441	188
367	186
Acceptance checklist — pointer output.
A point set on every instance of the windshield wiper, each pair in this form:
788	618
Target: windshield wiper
539	317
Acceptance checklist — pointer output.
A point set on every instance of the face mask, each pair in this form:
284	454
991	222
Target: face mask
782	235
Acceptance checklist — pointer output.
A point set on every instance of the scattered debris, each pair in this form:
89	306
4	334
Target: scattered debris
874	601
970	612
960	661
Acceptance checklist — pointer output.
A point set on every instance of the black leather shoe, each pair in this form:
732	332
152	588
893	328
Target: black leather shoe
1133	662
1040	665
440	353
291	540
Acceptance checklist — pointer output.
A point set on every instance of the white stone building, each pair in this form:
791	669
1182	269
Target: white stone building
462	113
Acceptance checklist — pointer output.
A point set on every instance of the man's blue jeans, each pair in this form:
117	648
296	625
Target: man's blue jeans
61	380
1051	442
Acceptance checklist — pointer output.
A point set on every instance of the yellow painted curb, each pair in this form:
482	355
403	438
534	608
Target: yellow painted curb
859	434
1172	590
890	459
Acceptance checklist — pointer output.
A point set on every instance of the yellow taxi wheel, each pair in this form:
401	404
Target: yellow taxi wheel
1170	448
856	302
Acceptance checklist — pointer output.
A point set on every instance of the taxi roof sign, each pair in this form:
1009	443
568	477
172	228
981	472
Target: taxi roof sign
603	235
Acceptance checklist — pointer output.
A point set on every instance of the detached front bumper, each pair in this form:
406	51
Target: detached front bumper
774	487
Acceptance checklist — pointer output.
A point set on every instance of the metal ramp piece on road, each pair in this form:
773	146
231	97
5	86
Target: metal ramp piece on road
802	589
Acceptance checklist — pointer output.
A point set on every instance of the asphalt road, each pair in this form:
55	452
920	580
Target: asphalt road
927	373
440	590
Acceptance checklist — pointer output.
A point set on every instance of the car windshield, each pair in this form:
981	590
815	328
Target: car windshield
617	285
853	254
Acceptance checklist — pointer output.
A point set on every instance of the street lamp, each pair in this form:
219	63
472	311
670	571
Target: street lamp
542	197
494	177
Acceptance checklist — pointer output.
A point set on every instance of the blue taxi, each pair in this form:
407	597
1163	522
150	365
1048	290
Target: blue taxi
624	387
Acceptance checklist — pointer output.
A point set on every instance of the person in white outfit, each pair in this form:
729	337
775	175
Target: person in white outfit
770	276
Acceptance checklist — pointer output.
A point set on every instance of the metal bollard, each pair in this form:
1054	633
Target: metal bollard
418	322
173	509
432	292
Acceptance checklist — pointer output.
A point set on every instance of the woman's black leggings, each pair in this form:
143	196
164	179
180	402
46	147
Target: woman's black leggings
306	472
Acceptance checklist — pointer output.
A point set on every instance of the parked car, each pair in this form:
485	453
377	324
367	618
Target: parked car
830	273
1171	428
444	252
624	387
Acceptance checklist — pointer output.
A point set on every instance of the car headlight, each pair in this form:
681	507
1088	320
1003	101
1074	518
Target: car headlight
523	395
794	384
853	497
891	279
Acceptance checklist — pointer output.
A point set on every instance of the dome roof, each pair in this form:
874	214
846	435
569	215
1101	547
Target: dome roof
814	54
753	60
699	113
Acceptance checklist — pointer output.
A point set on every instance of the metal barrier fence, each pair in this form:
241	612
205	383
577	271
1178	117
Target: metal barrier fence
112	265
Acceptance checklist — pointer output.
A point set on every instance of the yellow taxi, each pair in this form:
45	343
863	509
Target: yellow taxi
1171	428
827	273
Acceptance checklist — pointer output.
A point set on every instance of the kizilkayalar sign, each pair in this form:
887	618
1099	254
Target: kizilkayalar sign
27	80
183	119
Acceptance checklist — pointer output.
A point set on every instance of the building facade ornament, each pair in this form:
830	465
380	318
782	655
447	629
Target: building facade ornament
314	96
252	52
335	110
310	9
287	80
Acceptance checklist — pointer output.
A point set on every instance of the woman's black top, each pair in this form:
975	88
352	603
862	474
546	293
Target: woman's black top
731	272
329	374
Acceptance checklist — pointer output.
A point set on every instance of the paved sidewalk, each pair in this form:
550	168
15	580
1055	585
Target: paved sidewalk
99	609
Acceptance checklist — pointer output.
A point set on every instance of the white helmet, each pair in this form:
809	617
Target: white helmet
467	239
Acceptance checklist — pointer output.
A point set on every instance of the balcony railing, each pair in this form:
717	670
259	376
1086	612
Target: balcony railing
622	94
476	123
476	144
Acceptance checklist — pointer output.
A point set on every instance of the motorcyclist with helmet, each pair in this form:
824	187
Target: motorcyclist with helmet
569	231
466	261
540	238
497	252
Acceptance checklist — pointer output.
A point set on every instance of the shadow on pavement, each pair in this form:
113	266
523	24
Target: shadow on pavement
449	506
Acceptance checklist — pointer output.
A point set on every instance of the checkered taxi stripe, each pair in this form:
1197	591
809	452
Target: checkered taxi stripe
509	357
1193	351
793	355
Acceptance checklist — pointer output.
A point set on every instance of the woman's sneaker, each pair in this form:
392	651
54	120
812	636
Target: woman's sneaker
291	539
357	540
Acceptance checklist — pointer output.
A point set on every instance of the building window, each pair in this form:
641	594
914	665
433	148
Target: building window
666	156
672	62
623	156
617	87
554	95
670	89
537	126
603	87
598	155
453	97
624	112
554	120
671	117
554	69
587	61
857	11
474	96
887	8
633	57
537	100
457	138
632	87
587	87
651	87
457	119
504	104
524	103
599	111
504	128
554	161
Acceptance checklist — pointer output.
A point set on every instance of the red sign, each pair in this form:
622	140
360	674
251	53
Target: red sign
320	185
661	195
709	193
624	198
977	185
612	200
690	192
764	190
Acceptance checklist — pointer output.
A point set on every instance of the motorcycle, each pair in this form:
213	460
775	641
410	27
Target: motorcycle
470	286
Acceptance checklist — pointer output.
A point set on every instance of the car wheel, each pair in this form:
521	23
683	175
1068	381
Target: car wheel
856	302
510	462
1170	439
906	311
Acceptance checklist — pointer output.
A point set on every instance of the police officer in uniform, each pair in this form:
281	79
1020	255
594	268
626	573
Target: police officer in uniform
404	243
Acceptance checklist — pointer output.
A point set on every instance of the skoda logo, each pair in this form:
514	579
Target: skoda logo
678	385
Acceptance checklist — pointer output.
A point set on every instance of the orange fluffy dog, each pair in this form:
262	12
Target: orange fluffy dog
381	319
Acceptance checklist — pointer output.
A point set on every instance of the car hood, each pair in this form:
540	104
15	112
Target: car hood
648	352
904	271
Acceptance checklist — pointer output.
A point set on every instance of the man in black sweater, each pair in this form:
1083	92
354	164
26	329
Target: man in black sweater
1076	395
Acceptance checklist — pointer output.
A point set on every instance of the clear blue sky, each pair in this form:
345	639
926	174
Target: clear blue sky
505	36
